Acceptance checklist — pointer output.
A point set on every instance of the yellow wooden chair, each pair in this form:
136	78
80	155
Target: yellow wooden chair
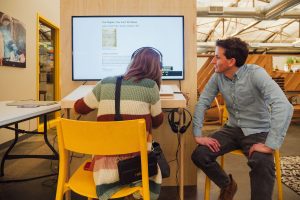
239	152
99	138
214	115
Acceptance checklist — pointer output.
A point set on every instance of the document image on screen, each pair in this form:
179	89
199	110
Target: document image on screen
102	45
109	37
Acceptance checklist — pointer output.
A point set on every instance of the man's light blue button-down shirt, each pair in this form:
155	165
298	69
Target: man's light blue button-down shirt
254	101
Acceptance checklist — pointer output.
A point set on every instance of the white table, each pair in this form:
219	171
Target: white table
12	115
175	101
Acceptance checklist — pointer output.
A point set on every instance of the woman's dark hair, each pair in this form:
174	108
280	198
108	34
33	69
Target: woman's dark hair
234	48
146	63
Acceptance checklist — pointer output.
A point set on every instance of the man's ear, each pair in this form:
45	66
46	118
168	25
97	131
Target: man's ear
232	62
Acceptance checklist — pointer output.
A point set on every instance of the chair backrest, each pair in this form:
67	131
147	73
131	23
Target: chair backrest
102	138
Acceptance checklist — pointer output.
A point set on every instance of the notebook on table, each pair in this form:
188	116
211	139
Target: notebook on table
31	103
166	91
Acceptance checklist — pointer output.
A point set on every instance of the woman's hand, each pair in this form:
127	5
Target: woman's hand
211	143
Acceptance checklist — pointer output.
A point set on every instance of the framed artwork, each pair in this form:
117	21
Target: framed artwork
12	42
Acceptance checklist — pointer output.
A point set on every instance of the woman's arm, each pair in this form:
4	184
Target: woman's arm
157	116
90	102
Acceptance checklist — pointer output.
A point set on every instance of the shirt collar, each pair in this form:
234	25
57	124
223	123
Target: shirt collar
239	73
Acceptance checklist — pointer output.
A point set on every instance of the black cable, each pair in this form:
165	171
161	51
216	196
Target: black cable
51	162
50	183
84	82
177	123
53	181
168	110
73	156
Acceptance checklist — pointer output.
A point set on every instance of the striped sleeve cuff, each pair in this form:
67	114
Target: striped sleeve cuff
157	120
81	107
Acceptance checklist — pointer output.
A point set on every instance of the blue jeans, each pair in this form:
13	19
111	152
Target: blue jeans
262	174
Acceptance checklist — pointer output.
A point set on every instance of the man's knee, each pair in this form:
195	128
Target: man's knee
261	160
200	156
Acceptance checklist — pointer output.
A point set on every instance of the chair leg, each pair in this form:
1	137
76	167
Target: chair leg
222	162
207	188
207	181
60	187
278	174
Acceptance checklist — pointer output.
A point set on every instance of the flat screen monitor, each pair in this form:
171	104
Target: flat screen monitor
102	45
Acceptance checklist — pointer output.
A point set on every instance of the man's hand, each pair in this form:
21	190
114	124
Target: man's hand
211	143
260	147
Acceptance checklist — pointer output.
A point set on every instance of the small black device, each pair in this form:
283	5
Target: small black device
175	126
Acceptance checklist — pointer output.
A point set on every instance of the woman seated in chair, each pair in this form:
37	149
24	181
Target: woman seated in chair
139	99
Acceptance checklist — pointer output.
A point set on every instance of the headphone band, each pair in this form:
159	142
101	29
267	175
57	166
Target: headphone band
154	49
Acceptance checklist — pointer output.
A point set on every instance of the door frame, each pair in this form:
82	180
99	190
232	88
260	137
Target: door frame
57	97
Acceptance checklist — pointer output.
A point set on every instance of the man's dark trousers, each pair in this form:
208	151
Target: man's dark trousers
262	174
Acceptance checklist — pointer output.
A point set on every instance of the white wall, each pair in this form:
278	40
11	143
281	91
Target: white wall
20	83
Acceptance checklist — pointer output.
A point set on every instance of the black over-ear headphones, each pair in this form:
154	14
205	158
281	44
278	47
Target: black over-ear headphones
154	49
175	124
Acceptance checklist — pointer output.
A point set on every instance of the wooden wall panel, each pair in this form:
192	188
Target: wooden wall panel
291	80
204	74
187	8
264	61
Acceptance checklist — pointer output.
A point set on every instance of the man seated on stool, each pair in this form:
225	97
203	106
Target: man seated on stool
259	116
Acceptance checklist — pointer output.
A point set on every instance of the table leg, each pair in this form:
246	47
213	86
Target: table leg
182	168
181	138
68	112
9	149
18	156
56	157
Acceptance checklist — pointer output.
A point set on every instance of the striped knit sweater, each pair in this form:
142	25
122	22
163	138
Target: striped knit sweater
138	100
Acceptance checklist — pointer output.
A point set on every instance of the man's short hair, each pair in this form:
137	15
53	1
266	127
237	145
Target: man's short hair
234	48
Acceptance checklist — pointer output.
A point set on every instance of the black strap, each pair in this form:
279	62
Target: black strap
118	116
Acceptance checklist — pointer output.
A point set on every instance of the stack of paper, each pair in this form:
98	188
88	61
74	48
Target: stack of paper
166	90
31	102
